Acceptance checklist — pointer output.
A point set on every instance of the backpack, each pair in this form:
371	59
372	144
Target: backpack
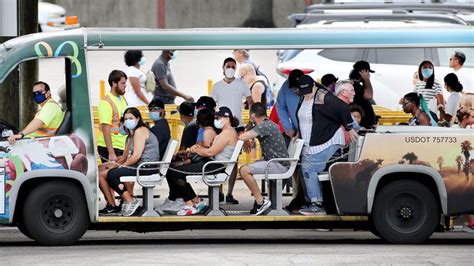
270	97
150	81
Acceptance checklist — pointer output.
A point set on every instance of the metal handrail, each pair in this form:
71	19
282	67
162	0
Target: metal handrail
308	17
204	175
148	163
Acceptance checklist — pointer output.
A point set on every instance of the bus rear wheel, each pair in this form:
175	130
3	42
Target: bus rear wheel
55	213
405	212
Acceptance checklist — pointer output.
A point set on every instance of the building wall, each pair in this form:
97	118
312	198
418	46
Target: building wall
178	13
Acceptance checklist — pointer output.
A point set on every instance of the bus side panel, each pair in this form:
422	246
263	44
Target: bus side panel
444	152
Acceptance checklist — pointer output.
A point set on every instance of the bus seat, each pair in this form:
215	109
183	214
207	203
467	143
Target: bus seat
66	125
215	180
275	180
148	182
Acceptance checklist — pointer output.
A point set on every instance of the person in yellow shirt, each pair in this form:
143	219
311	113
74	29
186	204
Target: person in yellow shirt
47	120
111	141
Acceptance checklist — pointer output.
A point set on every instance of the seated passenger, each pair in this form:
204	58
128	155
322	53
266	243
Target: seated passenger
465	117
161	129
142	146
452	85
411	105
47	120
273	146
204	102
221	149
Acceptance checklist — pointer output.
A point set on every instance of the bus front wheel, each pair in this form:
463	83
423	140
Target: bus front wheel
405	212
55	213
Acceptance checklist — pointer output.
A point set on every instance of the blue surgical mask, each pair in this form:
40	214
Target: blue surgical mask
218	124
142	61
39	98
173	55
426	72
155	116
130	124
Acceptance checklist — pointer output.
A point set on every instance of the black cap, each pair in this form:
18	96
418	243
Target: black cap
206	101
224	112
157	103
293	76
305	82
328	79
186	108
362	65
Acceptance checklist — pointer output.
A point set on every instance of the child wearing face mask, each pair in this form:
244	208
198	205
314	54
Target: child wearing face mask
141	146
161	128
429	87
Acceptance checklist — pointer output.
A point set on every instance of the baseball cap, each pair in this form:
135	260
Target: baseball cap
362	65
305	82
186	108
206	101
328	79
224	112
156	103
293	76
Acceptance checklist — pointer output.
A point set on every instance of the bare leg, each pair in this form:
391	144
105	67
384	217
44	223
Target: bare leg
129	187
251	183
232	178
105	188
191	202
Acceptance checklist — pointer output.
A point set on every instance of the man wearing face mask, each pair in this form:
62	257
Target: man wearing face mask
47	120
322	119
161	129
165	85
230	91
111	142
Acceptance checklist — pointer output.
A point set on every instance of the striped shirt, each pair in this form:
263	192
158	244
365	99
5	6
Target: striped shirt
305	117
429	93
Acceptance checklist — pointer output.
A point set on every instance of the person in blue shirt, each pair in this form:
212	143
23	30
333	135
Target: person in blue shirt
287	104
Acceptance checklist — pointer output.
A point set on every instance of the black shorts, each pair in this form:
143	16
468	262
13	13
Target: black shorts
104	153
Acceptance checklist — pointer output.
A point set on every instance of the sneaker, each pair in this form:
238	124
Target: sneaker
221	197
468	228
166	204
230	200
129	208
187	210
201	206
313	209
110	210
259	209
175	207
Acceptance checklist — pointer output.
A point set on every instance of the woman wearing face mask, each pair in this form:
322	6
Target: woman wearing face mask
142	146
257	85
221	149
135	94
429	87
161	128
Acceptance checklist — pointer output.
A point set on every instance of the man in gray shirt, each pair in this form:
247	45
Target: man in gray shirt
273	146
165	86
230	91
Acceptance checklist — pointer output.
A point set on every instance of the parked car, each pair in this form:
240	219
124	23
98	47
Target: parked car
51	17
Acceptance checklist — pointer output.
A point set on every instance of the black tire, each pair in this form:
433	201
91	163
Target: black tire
405	212
21	227
55	213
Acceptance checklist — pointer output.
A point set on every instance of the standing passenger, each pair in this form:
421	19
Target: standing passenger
429	87
453	86
136	95
165	85
257	85
111	142
322	119
465	76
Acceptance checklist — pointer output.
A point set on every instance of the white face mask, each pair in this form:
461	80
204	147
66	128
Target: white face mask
142	61
229	73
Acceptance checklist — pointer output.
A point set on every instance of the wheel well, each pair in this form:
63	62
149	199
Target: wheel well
424	179
29	185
